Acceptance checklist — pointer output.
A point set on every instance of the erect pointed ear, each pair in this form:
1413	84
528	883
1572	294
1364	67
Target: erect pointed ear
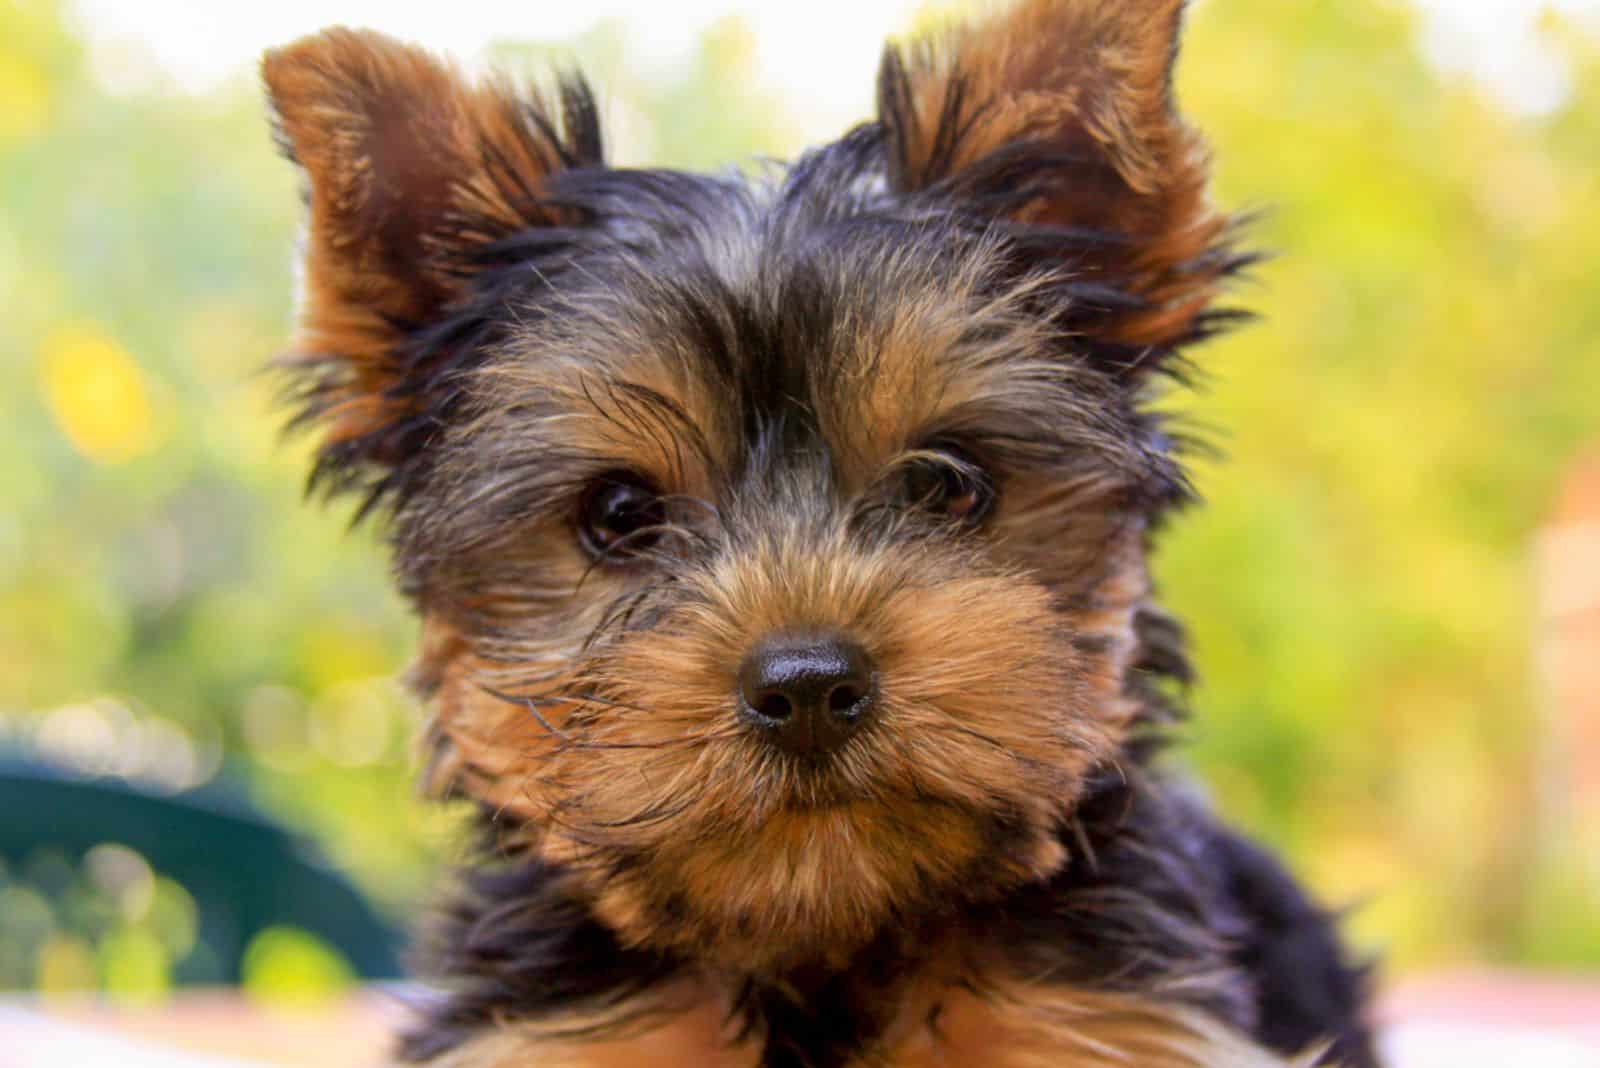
413	174
1057	119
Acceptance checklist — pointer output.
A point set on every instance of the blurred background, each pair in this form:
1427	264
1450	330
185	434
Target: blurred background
1394	590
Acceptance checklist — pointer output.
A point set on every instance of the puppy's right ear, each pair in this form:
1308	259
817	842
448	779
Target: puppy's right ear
413	174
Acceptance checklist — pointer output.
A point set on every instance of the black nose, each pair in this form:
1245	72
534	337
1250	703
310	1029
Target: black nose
807	693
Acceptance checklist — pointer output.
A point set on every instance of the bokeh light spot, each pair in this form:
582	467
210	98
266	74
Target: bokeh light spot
98	394
289	966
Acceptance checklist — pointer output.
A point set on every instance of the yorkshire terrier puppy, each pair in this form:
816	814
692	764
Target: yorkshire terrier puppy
780	550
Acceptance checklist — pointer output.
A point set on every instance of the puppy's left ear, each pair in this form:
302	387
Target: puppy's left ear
1056	119
413	174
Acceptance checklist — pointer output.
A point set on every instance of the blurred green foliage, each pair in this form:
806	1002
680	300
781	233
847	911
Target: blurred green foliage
1359	586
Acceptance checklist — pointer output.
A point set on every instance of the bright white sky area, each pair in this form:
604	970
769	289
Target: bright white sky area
820	54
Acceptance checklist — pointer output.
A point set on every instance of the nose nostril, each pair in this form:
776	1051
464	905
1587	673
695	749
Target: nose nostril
775	706
806	693
843	697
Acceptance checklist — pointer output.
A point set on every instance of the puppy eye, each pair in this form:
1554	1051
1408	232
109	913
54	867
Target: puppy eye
950	483
618	515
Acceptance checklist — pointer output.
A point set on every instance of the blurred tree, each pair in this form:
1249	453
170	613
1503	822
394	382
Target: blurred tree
1357	585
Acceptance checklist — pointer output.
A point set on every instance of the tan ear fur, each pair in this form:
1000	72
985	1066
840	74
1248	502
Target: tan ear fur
1067	107
411	169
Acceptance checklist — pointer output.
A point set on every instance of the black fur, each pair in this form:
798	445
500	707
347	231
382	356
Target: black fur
1306	984
1167	902
514	945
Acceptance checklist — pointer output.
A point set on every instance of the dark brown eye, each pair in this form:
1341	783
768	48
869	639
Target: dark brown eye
619	514
948	482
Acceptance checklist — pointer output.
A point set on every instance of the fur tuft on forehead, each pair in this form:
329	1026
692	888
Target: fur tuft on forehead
701	366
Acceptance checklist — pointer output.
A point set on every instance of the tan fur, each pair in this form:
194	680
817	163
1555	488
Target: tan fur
1040	1027
589	382
684	1028
1091	78
1014	1026
983	706
987	707
634	746
907	368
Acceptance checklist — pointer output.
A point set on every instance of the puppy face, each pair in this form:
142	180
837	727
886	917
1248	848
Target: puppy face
779	546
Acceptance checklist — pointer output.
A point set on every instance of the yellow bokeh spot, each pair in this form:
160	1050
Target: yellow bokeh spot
97	393
135	966
66	965
291	967
24	99
339	652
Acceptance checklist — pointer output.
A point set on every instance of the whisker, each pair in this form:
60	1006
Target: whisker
531	705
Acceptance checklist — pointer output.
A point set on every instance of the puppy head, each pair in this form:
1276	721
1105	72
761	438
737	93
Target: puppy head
779	545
